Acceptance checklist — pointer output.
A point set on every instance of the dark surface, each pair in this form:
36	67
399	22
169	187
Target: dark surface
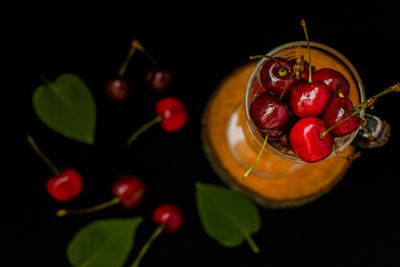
353	225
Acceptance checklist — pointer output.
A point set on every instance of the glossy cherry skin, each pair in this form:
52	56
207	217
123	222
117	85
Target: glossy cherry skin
129	189
306	141
158	80
334	80
66	186
337	110
303	74
170	215
271	78
309	99
173	113
268	112
117	89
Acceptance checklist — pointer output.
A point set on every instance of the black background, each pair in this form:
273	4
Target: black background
353	225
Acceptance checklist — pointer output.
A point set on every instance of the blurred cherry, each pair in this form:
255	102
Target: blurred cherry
171	114
63	186
169	218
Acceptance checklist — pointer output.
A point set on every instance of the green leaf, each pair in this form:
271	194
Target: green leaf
103	243
227	216
67	107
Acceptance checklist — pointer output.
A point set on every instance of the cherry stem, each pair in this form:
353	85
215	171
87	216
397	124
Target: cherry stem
126	61
143	129
112	202
252	244
147	245
296	68
41	155
286	86
258	158
363	105
340	94
139	47
282	71
303	24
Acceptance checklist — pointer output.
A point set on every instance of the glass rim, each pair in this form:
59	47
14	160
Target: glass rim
303	44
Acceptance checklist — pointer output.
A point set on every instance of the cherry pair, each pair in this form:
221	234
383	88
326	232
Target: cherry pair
157	79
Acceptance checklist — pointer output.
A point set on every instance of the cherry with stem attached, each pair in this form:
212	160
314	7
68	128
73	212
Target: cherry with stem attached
117	89
171	114
127	189
363	105
309	98
157	79
338	109
169	218
63	186
271	115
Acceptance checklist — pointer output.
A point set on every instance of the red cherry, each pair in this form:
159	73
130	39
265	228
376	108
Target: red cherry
303	74
309	99
306	141
172	112
272	78
268	112
335	81
158	80
65	186
338	109
170	215
117	89
129	189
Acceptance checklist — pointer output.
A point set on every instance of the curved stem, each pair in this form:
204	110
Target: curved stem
126	61
148	243
143	129
303	24
282	71
258	158
363	105
138	46
41	155
63	212
252	244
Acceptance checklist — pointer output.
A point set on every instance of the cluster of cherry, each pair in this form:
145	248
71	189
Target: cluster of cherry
310	106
